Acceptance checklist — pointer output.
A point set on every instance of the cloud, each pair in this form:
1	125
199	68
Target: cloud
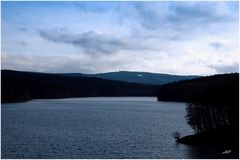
23	29
23	43
131	61
170	37
95	7
185	16
196	11
217	45
93	43
223	68
43	63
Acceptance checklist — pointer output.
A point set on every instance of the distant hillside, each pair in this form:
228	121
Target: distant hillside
138	77
21	86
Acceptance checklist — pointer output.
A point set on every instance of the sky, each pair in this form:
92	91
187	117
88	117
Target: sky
185	38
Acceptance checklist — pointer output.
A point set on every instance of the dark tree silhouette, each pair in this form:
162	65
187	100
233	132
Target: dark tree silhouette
203	118
21	86
213	100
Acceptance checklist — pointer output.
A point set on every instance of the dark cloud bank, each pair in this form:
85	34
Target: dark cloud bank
90	42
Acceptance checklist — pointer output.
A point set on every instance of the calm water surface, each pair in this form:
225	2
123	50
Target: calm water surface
136	127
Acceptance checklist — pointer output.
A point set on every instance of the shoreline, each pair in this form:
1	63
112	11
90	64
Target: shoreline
225	140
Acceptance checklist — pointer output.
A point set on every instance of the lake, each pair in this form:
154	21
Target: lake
131	127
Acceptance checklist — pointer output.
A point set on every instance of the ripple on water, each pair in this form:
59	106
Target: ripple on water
138	127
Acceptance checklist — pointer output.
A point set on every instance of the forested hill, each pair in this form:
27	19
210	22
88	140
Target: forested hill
216	89
22	86
212	110
138	77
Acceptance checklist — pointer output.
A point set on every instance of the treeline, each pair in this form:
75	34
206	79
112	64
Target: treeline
216	89
213	101
204	118
22	86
